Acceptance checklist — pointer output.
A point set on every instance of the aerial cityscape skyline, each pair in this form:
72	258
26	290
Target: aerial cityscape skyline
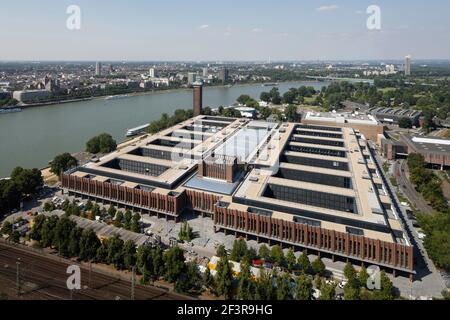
209	152
309	30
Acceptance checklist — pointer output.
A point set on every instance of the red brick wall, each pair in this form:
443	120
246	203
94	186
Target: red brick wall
133	197
352	246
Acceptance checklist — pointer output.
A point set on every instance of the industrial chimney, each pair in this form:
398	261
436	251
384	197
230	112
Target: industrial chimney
198	98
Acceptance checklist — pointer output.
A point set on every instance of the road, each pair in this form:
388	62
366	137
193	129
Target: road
44	277
428	280
400	172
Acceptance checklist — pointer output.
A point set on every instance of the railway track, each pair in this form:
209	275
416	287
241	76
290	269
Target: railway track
44	278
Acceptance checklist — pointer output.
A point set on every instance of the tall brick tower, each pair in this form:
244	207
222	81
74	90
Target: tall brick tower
198	98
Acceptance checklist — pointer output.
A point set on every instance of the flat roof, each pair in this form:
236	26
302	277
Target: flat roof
334	117
355	193
428	144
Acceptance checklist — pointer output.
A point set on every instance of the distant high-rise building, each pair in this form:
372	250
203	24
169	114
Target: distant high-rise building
223	75
198	98
152	72
98	69
191	78
408	65
205	72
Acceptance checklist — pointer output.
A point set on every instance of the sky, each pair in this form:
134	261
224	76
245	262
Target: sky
211	30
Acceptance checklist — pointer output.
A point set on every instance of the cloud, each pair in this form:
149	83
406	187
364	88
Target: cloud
204	26
359	12
327	8
257	30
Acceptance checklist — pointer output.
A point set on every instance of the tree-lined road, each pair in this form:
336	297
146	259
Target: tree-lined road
400	172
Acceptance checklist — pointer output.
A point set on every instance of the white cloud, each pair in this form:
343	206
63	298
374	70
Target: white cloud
327	8
257	30
204	26
359	12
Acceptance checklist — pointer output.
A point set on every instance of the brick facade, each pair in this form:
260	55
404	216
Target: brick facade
391	255
160	203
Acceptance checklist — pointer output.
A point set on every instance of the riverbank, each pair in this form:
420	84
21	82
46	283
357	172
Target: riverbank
36	135
160	91
50	103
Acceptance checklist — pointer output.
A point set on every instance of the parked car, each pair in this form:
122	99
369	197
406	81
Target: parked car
342	284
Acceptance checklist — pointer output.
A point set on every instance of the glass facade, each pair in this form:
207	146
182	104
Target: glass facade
312	127
318	141
343	166
172	144
148	169
321	151
315	177
311	198
319	134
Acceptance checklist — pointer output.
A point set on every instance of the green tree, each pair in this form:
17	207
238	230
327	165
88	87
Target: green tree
265	96
405	123
208	280
328	291
303	288
10	195
74	242
277	255
291	113
129	254
242	99
27	181
48	231
303	262
246	288
158	262
15	236
112	211
96	210
127	220
318	267
221	252
174	263
284	287
185	233
264	287
363	276
6	228
62	163
239	250
118	219
89	244
264	252
115	251
349	271
224	278
89	205
351	292
289	97
387	287
103	143
36	230
290	259
189	280
135	223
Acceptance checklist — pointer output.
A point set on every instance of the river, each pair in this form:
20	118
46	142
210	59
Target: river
33	137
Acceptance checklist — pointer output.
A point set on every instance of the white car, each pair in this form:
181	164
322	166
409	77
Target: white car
342	284
316	293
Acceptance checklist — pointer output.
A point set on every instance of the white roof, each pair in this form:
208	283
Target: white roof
430	140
